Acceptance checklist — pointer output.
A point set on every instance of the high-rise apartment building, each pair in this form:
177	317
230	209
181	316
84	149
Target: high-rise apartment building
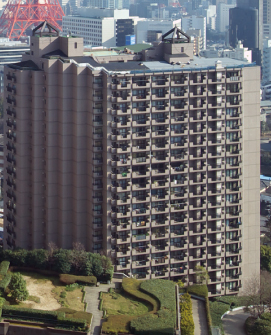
152	158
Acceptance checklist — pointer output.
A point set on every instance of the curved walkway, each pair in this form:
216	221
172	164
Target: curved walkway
234	323
199	317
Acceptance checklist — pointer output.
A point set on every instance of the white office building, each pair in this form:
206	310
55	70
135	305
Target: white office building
146	29
97	26
210	14
222	20
196	22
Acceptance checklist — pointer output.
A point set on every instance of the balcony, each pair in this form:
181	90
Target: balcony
140	250
160	247
177	246
159	260
141	237
141	263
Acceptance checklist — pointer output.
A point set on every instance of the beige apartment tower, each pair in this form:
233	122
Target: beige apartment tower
152	158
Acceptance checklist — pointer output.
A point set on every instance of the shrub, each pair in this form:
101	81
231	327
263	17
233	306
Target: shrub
63	294
72	287
17	287
187	323
4	268
34	298
62	261
5	282
39	257
262	327
83	280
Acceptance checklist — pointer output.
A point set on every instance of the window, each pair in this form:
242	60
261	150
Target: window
75	45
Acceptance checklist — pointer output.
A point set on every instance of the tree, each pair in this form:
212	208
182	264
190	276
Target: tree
202	275
17	287
78	258
266	258
258	293
62	261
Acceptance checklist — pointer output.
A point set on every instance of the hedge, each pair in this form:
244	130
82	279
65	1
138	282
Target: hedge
132	287
74	262
187	323
56	318
5	282
4	268
76	324
199	290
101	305
163	321
217	309
233	301
83	280
120	323
34	314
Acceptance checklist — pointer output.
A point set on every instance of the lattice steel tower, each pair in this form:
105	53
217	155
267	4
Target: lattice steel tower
19	15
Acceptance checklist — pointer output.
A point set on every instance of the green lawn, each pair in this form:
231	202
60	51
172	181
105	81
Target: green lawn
120	303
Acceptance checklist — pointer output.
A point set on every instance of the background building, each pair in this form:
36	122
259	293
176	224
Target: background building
99	26
246	24
195	22
152	158
146	29
222	19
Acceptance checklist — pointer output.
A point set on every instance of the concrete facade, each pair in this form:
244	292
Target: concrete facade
154	161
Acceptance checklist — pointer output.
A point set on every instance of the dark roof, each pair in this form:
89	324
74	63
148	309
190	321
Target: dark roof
26	65
135	47
57	52
87	59
124	66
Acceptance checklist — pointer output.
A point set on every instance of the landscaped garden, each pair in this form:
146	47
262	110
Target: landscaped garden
141	307
50	294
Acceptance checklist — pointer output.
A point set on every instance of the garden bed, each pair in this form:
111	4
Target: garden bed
158	296
48	293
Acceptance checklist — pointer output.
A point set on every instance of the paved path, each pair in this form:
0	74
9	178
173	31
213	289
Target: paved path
92	299
234	323
199	316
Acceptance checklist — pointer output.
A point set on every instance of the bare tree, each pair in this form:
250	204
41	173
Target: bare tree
258	293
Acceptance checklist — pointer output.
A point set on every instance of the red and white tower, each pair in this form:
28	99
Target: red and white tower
19	15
